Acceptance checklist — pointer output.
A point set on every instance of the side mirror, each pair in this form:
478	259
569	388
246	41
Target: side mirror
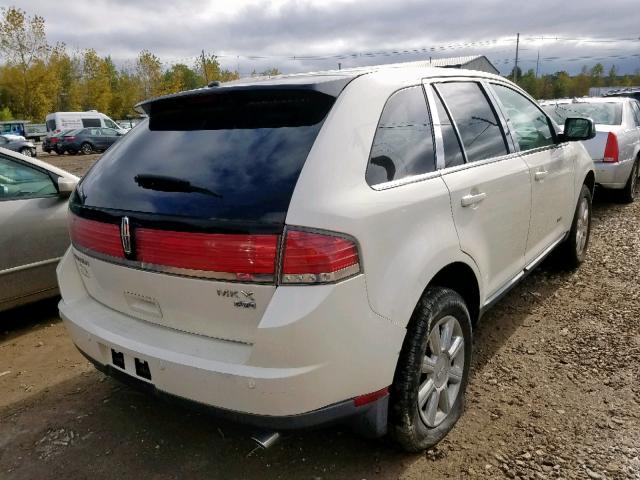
66	186
578	129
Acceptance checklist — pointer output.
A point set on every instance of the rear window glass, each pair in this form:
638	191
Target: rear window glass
230	156
477	123
599	112
403	143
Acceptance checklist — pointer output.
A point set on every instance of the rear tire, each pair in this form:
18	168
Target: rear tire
427	395
86	148
573	250
630	190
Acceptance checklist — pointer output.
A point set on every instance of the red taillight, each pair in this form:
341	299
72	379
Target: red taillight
236	257
69	138
611	151
53	139
95	236
370	397
318	258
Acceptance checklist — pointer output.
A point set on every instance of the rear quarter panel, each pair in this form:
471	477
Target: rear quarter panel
406	233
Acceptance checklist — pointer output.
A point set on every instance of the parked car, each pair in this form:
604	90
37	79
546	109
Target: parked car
58	121
632	92
18	143
51	143
33	215
88	140
14	127
314	249
615	150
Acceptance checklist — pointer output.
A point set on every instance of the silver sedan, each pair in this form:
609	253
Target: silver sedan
33	215
615	149
18	144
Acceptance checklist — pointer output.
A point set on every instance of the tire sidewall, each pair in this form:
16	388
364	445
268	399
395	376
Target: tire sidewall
584	193
408	428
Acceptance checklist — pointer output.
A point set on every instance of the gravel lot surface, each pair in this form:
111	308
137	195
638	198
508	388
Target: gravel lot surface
554	393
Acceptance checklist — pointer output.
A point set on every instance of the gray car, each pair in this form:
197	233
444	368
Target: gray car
18	144
33	215
615	149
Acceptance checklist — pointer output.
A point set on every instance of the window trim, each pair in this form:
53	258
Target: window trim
481	82
52	177
516	145
412	178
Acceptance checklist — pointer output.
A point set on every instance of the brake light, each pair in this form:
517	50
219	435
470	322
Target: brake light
69	138
318	258
611	151
98	237
224	256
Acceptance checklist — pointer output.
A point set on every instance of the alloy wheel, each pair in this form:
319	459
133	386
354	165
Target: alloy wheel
442	370
582	226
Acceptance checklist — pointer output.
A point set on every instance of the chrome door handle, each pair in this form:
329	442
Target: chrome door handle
541	175
472	199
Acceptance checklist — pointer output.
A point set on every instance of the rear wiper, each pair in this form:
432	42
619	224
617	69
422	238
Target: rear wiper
162	183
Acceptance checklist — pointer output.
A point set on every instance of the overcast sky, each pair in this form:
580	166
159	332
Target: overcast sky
177	31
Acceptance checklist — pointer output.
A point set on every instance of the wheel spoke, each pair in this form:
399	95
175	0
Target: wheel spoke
445	334
432	407
428	365
434	341
456	347
445	401
426	389
455	374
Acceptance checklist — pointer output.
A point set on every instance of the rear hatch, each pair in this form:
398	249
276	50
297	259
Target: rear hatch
180	223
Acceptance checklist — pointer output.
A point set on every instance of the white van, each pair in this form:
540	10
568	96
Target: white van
59	121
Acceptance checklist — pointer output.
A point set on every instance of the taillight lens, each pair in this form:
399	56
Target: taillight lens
69	138
225	256
103	238
311	257
611	151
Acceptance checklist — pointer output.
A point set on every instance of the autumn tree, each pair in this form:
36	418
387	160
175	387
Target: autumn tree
24	47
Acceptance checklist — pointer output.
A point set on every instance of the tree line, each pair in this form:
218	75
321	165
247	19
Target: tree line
37	78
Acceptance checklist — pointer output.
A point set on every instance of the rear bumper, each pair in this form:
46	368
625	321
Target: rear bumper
369	420
613	175
298	372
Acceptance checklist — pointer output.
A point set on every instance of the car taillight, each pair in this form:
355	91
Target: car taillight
53	140
611	151
311	257
69	138
99	237
224	256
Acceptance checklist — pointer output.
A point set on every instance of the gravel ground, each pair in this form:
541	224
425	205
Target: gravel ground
554	393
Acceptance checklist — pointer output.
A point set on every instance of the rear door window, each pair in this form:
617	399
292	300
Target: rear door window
230	155
477	123
403	143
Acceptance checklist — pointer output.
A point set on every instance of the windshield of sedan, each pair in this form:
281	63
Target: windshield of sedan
600	112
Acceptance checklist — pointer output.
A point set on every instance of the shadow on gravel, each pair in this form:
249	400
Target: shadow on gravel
37	315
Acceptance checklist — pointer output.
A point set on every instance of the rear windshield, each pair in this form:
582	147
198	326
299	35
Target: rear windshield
599	112
228	156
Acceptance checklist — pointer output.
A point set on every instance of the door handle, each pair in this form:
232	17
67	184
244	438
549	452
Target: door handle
541	175
472	199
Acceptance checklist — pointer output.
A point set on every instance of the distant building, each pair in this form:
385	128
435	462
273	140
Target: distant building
474	62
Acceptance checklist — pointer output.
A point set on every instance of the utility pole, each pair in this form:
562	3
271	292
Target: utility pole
204	69
515	69
537	63
339	66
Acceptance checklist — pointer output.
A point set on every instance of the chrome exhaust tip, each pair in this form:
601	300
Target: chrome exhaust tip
265	439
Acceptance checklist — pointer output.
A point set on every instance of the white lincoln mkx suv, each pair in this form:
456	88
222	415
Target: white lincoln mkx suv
317	248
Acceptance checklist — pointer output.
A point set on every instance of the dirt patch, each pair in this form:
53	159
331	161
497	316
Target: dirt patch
554	393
